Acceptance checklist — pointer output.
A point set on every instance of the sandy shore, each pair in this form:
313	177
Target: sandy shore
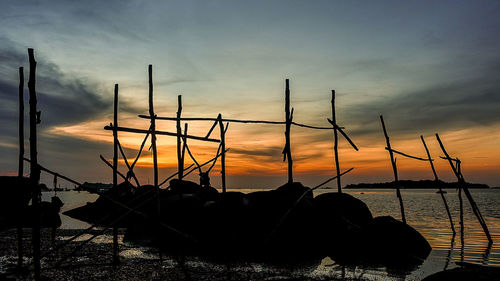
93	262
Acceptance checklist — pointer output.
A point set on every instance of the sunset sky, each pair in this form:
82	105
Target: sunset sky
428	67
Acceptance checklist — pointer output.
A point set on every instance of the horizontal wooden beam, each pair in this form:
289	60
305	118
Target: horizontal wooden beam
54	173
142	131
407	155
236	121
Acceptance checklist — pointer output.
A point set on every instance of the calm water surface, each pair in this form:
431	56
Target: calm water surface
424	211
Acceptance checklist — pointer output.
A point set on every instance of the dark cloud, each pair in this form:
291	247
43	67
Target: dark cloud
271	151
63	99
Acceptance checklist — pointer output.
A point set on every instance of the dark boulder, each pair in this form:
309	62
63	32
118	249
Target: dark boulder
112	208
392	243
340	217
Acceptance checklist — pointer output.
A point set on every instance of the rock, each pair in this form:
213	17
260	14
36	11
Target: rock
340	217
390	242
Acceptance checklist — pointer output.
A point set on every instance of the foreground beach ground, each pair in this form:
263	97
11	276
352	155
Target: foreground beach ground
93	262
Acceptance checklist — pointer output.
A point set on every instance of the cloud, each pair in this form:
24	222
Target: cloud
62	98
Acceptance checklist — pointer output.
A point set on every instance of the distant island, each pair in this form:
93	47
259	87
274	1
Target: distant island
410	184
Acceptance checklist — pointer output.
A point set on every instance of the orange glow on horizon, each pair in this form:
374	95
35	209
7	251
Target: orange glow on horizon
253	154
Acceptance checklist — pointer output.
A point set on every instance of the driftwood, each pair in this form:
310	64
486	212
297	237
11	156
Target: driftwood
336	143
34	169
394	169
20	169
436	179
461	183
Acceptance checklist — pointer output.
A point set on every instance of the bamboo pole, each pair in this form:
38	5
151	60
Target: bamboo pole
394	169
180	160
461	214
336	143
153	126
34	169
111	166
236	121
223	157
461	182
130	173
287	153
141	131
184	145
115	171
153	146
42	168
436	179
20	168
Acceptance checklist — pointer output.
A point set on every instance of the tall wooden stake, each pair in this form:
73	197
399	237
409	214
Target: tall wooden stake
465	189
461	202
395	170
288	119
20	168
336	143
223	156
34	169
153	147
436	179
180	160
461	214
115	170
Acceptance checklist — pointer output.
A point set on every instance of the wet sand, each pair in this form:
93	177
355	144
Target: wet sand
93	262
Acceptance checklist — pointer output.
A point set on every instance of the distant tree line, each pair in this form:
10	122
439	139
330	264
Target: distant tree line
411	184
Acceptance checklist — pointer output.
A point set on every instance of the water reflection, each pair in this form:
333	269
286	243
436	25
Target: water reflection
448	257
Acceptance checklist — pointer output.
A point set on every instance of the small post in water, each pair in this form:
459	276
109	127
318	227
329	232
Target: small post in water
394	169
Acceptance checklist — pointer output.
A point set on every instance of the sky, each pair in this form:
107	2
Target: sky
427	66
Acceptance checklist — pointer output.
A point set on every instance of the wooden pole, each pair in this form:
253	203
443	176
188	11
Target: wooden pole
436	179
153	147
394	169
336	143
461	183
461	206
180	160
287	151
153	126
116	259
42	168
20	168
223	156
34	170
